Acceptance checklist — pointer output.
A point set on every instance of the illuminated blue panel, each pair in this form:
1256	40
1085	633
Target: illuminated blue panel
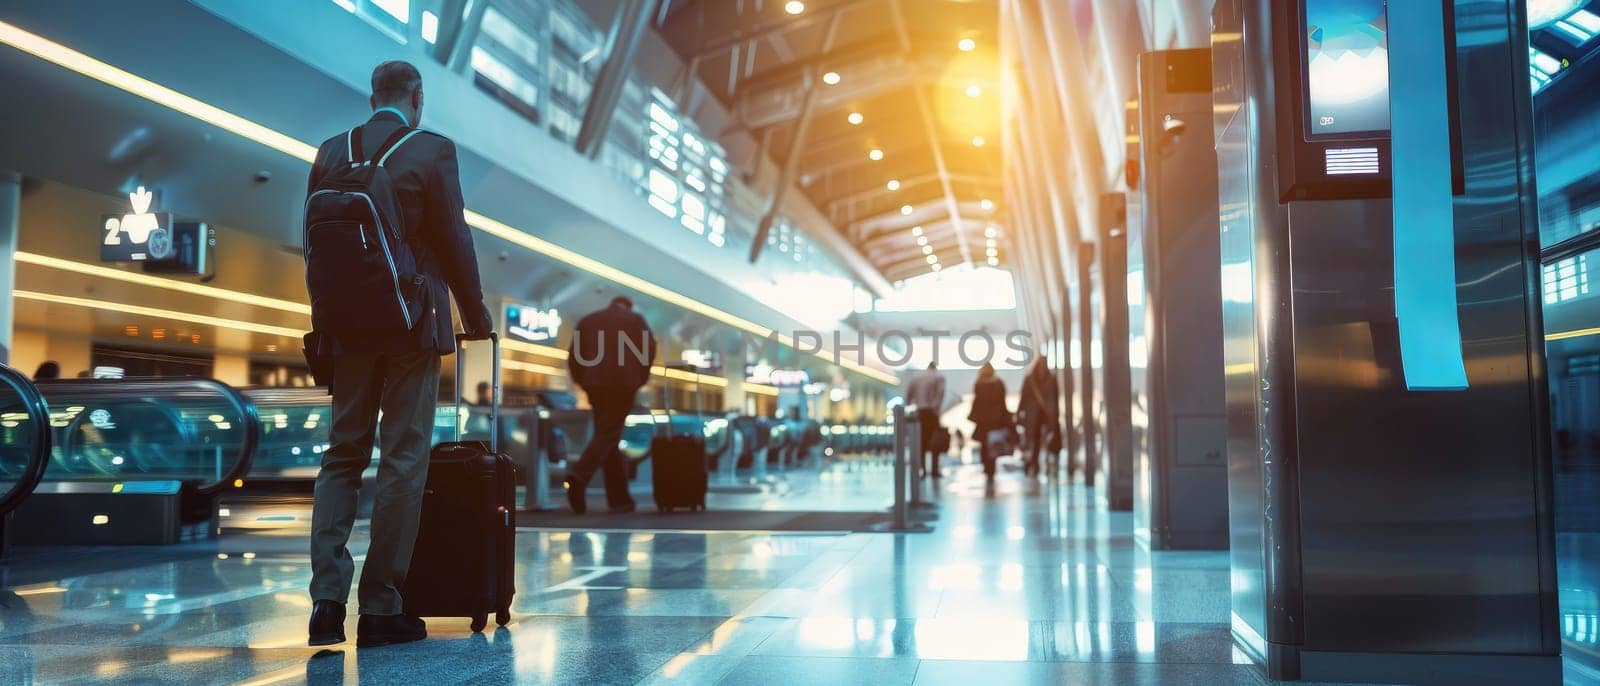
1347	55
1424	204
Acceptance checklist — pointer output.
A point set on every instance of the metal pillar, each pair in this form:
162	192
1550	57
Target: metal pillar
631	19
10	207
458	53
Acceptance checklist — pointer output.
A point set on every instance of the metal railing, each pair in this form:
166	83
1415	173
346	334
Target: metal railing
151	429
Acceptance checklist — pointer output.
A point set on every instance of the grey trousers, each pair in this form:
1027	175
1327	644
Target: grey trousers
404	388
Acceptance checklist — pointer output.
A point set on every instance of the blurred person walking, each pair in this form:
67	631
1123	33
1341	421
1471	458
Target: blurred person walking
612	350
1040	414
926	392
995	429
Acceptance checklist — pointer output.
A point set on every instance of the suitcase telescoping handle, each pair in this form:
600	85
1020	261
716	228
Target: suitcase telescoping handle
494	386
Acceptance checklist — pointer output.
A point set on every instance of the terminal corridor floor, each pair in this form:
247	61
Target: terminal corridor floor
1031	584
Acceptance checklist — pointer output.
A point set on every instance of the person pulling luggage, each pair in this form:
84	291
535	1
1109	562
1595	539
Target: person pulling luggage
610	357
386	243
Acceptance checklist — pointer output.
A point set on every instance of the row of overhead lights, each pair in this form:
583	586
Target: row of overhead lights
832	78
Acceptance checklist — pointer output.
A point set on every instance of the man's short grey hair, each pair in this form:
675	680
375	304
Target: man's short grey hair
395	80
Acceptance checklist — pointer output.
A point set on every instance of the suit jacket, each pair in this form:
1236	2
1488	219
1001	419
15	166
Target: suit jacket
598	358
989	409
428	186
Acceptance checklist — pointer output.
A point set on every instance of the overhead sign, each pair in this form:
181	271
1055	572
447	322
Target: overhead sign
704	360
139	235
789	377
154	239
533	324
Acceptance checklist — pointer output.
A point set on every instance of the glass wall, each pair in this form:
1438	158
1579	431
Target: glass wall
540	58
1564	75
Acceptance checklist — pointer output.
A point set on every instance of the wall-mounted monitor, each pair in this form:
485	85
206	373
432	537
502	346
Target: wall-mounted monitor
1331	70
1347	68
1331	58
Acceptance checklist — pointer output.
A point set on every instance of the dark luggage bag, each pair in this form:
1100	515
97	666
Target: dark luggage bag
678	474
679	471
462	564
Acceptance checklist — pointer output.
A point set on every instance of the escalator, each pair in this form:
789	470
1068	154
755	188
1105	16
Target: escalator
25	439
137	461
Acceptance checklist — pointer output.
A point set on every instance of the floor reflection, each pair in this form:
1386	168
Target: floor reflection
1037	584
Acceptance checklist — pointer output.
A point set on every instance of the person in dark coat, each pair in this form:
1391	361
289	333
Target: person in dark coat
1040	412
612	350
990	414
385	386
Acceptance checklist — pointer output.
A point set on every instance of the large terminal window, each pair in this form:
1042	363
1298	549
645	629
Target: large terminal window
1564	65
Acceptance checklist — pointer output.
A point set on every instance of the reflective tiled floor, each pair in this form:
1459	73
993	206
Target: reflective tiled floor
1030	584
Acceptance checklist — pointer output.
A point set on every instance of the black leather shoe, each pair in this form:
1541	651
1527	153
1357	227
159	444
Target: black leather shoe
327	623
383	630
624	509
576	497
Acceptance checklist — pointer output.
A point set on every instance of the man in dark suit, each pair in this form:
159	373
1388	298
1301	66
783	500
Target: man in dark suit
612	350
397	375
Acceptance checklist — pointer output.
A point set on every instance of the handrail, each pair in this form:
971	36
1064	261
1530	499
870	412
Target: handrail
250	419
39	419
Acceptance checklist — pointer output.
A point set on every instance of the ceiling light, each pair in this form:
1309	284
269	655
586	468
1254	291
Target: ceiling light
927	250
990	232
1586	20
916	231
875	154
988	243
977	141
967	44
922	240
855	118
894	184
993	262
974	91
936	267
932	259
991	252
1543	12
794	7
831	78
1578	33
986	204
905	209
1543	62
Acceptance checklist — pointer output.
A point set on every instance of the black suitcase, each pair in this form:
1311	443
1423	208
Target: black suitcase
462	564
679	471
678	474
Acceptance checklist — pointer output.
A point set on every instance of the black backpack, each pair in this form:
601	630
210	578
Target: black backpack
361	271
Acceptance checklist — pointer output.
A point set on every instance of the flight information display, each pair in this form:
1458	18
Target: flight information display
1347	67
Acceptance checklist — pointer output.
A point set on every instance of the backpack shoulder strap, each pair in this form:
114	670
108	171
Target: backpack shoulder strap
352	145
392	143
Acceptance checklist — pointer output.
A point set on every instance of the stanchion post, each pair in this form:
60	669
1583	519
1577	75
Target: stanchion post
914	442
900	454
536	494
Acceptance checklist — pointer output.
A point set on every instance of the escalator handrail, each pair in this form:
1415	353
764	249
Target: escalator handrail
39	418
250	420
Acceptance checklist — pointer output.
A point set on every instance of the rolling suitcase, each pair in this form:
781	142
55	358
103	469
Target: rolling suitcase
462	563
678	476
